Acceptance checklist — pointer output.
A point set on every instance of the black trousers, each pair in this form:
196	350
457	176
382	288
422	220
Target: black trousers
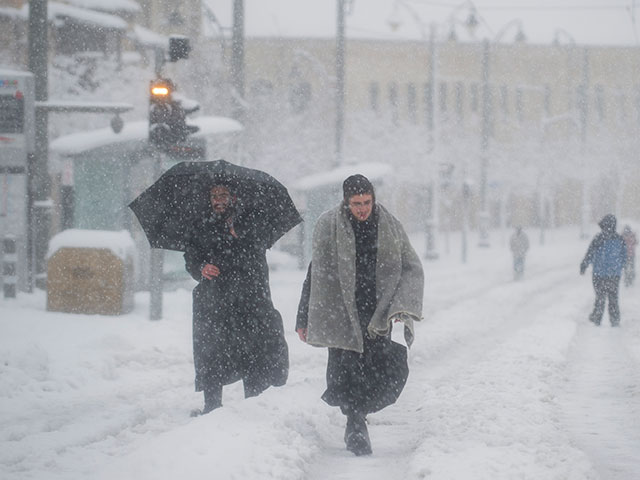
606	288
369	381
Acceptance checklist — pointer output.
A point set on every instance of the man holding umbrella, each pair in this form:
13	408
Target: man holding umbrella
224	218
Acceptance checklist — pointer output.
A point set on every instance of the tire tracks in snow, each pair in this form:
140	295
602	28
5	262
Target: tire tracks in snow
601	400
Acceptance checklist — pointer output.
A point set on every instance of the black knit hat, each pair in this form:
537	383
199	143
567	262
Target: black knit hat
357	185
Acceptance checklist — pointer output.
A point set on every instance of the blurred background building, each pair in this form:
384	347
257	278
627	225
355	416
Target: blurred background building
473	119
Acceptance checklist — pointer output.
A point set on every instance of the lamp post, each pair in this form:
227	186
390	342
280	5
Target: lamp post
340	21
483	221
583	113
237	59
432	212
583	108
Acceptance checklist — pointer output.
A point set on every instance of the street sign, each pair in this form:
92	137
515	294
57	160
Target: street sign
17	131
17	143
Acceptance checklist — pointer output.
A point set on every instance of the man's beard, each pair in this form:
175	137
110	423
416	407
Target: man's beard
224	215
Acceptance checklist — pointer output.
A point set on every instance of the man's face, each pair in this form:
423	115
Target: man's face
220	198
361	206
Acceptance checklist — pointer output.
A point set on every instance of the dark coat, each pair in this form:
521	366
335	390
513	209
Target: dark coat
369	381
237	332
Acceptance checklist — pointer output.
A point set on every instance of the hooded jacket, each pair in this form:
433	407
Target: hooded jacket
607	252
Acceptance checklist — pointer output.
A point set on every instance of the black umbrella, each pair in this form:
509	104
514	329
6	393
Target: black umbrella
179	200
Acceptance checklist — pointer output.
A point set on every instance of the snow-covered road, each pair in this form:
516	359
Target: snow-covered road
508	380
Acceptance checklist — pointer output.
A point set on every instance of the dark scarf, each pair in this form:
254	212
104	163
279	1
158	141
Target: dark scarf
366	239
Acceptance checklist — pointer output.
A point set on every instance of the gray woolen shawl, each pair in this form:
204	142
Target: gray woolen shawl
333	317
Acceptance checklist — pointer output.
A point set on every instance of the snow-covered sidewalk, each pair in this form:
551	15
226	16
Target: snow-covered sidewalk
508	380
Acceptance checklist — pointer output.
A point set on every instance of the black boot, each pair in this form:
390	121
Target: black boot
212	398
356	435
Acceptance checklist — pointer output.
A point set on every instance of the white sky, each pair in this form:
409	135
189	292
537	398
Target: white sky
606	22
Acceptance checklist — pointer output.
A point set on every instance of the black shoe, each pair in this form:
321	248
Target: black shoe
595	322
207	408
356	435
212	398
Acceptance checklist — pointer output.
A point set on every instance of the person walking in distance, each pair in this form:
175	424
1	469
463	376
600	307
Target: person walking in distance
519	244
608	254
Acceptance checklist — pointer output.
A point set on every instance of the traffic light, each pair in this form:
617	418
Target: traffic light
160	106
167	116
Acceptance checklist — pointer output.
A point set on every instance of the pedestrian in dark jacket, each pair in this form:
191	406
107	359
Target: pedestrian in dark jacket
237	332
364	276
607	253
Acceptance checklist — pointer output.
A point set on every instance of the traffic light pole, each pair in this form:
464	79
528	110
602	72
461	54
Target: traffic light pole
156	261
237	59
340	54
38	208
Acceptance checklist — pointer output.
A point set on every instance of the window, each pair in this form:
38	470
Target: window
459	101
547	100
475	97
600	105
428	103
300	96
442	97
504	100
622	102
374	96
393	101
12	116
520	104
412	100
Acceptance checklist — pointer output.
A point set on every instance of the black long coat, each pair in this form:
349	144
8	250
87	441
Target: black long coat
372	380
237	332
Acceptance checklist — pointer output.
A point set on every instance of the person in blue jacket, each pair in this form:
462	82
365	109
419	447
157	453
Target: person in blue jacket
607	253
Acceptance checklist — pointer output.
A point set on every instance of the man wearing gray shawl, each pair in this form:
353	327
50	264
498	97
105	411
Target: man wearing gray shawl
364	276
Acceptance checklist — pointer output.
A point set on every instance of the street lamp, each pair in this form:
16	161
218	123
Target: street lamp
429	34
483	220
344	7
583	111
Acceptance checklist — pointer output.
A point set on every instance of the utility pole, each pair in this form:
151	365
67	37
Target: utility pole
431	222
583	108
237	59
339	81
38	208
483	222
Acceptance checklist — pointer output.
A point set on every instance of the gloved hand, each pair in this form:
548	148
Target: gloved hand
583	268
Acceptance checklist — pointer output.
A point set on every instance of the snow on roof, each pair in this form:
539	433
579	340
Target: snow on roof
119	243
13	72
148	37
593	22
60	11
112	6
13	13
77	143
373	171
